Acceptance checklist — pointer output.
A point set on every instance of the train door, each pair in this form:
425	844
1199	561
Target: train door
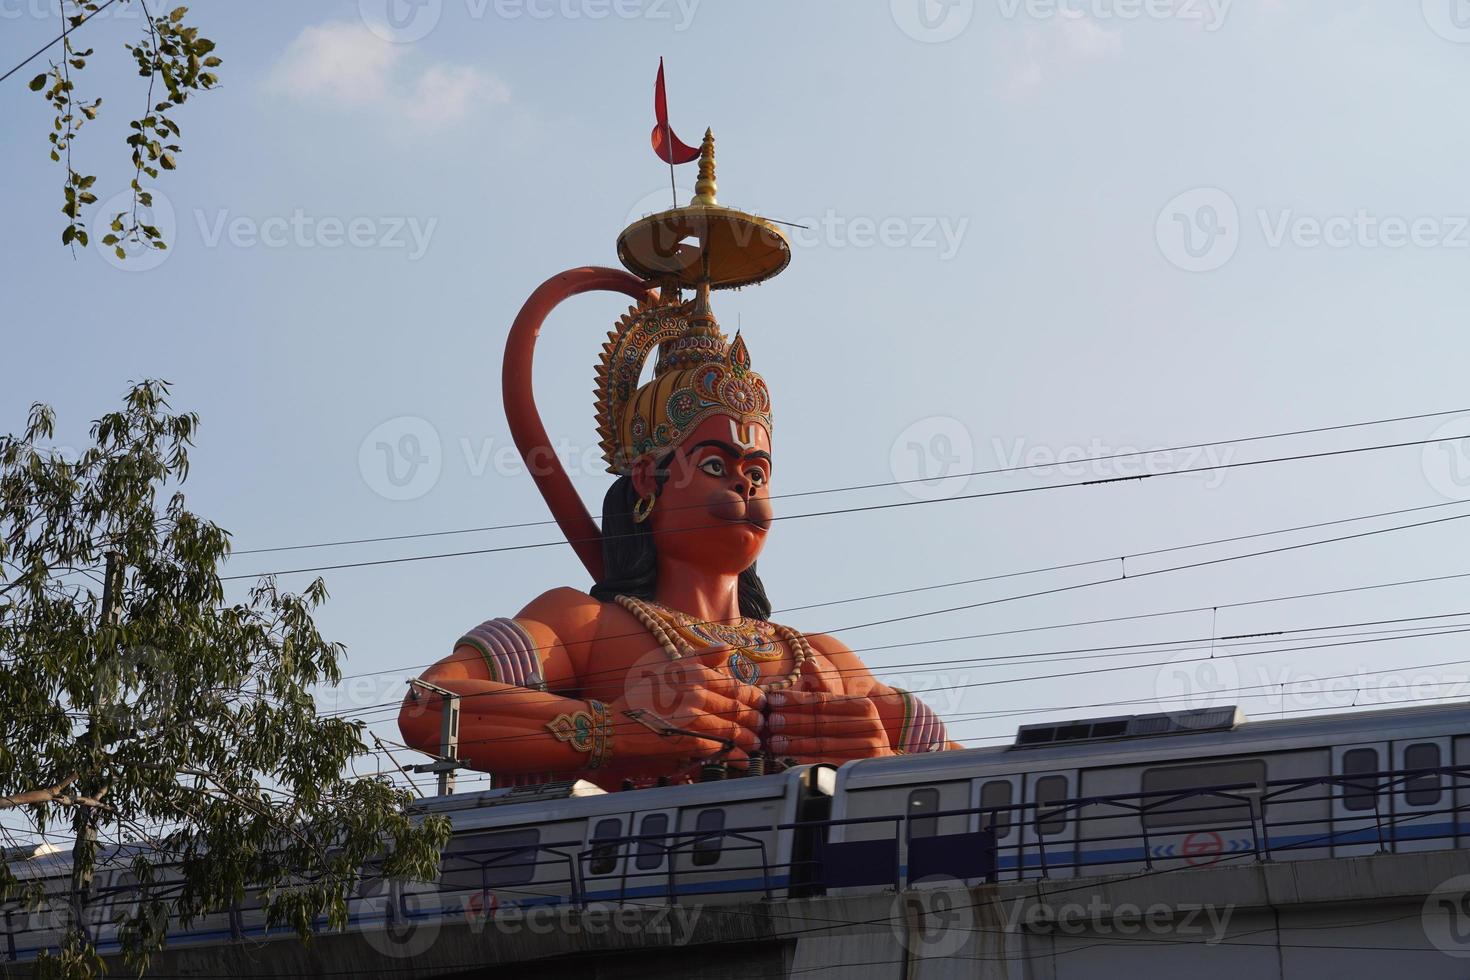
604	860
1003	794
1358	805
1049	830
1423	806
647	876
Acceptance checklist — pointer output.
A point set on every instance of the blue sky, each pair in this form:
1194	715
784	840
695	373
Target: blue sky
1038	229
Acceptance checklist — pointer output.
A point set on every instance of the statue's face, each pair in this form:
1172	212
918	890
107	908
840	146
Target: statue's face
715	507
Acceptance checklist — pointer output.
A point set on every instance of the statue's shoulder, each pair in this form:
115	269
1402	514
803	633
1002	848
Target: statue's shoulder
830	646
571	614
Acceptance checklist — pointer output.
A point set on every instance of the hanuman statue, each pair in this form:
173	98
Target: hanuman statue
669	667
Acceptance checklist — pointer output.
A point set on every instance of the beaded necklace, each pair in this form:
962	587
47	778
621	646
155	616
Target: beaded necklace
680	635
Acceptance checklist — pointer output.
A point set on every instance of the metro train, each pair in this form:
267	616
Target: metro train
1092	796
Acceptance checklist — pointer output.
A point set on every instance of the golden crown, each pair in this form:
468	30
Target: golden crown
697	375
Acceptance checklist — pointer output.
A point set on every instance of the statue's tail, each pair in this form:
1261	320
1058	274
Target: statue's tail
526	427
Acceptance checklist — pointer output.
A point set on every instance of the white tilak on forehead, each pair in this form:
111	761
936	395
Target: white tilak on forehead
746	441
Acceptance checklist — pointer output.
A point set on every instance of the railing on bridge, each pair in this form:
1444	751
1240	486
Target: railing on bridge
1280	818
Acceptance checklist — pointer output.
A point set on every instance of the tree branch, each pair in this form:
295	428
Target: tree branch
37	795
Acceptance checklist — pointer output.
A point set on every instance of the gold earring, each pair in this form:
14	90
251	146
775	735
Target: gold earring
643	508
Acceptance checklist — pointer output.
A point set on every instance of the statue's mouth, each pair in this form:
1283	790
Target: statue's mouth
738	511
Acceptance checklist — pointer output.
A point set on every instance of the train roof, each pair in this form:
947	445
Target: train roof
549	802
1246	737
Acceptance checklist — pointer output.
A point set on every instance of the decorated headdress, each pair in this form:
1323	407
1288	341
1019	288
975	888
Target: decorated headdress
697	375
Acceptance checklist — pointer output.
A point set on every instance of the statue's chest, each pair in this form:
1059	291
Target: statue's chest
660	654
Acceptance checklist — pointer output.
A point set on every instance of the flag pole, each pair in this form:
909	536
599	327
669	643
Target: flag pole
668	140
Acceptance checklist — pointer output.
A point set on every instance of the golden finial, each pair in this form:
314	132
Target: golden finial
703	243
704	187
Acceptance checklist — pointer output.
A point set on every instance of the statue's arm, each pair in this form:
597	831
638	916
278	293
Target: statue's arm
522	709
912	726
517	679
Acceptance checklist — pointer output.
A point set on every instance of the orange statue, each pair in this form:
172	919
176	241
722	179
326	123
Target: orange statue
670	667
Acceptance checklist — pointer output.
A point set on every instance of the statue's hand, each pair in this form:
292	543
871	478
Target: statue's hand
696	695
817	726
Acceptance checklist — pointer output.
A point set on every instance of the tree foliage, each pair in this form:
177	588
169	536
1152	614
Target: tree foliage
152	710
171	53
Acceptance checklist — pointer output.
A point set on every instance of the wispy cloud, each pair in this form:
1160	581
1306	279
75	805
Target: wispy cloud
342	65
1055	47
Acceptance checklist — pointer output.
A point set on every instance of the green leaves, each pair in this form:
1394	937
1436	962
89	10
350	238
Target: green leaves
188	712
170	54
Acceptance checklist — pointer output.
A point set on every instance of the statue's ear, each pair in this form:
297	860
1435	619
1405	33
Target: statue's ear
645	476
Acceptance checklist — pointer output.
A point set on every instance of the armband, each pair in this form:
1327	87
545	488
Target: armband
922	731
587	731
510	653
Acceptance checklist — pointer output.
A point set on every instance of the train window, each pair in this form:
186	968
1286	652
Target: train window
475	861
997	793
125	891
922	802
1202	808
707	851
1422	790
1360	795
651	852
1049	791
604	846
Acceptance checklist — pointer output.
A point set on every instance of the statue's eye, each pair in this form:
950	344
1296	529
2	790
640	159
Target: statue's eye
714	466
757	476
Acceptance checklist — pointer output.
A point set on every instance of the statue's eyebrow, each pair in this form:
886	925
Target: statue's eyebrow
730	450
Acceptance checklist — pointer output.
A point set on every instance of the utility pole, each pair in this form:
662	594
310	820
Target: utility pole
448	761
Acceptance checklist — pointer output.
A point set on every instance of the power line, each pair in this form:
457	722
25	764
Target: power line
875	486
592	675
56	40
867	508
1457	629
